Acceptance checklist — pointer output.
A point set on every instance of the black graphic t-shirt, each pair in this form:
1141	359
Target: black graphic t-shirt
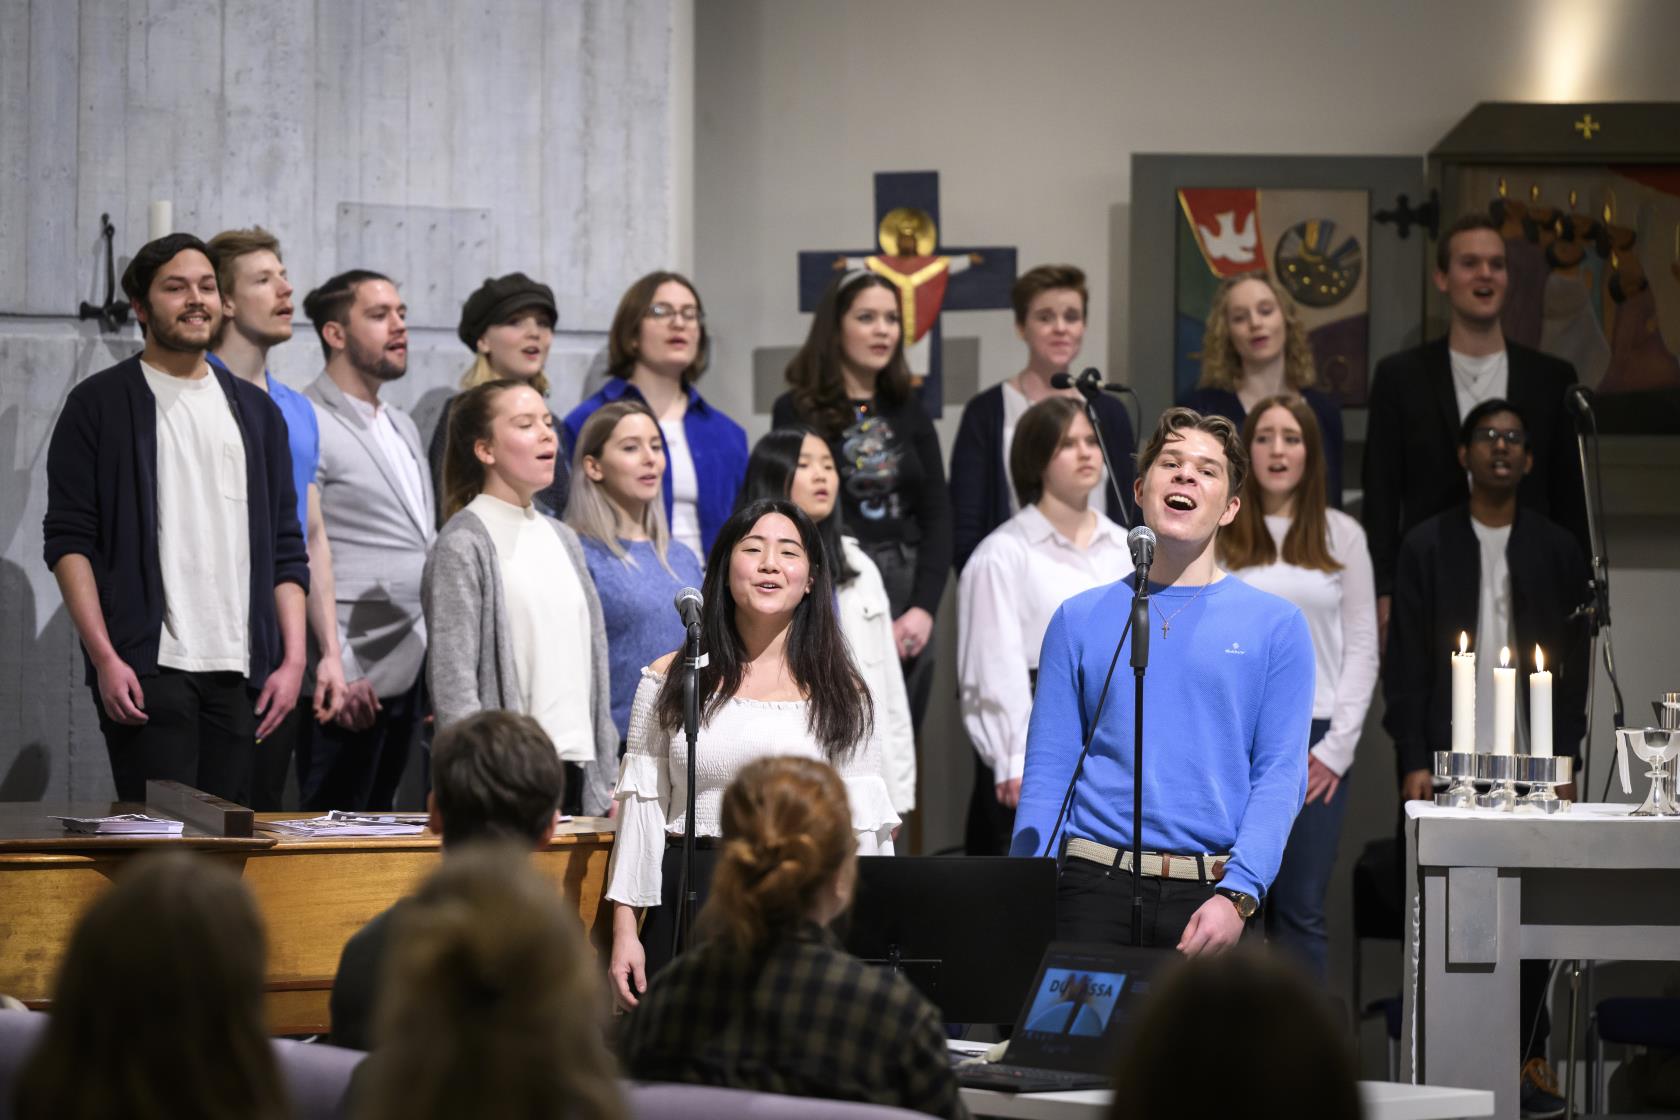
892	485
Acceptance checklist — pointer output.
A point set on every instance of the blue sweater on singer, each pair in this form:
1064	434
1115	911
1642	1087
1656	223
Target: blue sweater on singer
636	605
1227	713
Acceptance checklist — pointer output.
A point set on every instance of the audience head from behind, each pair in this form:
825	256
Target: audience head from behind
855	345
659	329
789	853
1055	454
1493	448
796	464
256	292
1190	477
171	285
495	776
490	1003
1252	324
361	321
618	472
1287	478
501	441
1271	1035
508	324
158	1007
768	577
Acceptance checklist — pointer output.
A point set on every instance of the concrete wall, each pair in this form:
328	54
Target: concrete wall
440	141
1031	113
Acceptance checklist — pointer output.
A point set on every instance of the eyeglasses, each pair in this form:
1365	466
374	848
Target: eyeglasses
688	314
1514	437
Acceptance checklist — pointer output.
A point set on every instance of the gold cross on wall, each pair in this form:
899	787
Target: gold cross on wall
1586	126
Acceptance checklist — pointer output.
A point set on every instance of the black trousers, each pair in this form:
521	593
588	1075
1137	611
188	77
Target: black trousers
274	757
359	770
660	925
991	824
200	729
897	561
1094	903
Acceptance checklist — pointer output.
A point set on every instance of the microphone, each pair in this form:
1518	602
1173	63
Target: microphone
1141	540
1580	398
1090	382
688	603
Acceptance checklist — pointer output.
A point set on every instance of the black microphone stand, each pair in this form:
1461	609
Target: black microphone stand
1090	387
691	727
1597	608
1140	663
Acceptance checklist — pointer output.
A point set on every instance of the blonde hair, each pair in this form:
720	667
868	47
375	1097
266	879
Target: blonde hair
491	1004
787	832
1222	367
481	372
589	510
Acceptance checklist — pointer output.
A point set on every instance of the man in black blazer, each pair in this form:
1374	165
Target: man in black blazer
1419	397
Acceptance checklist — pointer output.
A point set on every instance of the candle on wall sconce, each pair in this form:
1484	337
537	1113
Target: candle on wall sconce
160	219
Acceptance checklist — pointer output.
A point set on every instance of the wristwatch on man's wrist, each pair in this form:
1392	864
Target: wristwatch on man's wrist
1246	904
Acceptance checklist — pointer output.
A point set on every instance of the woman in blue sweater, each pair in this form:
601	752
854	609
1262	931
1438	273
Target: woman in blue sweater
638	569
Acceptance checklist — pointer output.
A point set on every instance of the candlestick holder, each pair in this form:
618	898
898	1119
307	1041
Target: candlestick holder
1501	771
1458	769
1542	773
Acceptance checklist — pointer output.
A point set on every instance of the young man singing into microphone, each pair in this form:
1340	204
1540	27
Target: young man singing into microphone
1227	709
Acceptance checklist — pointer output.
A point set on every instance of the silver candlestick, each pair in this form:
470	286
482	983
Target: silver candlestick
1542	773
1458	769
1501	770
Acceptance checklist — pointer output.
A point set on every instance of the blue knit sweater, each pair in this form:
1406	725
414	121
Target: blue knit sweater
636	599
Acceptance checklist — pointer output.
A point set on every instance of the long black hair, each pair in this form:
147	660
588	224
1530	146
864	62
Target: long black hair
819	388
838	710
770	471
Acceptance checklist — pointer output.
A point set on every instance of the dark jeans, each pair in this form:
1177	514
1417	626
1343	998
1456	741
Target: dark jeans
897	561
274	757
1295	904
1094	903
991	824
359	770
200	729
660	925
571	801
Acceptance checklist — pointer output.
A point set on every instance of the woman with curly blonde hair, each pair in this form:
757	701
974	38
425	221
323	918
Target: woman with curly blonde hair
1256	347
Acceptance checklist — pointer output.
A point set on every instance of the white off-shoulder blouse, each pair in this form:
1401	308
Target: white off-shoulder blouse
652	792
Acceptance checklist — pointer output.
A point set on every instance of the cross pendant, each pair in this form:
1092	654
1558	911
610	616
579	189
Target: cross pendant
1165	626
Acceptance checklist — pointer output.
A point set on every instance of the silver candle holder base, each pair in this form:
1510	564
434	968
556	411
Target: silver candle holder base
1542	774
1458	770
1500	770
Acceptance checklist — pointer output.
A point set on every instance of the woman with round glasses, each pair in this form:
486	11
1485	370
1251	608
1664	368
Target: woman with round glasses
656	351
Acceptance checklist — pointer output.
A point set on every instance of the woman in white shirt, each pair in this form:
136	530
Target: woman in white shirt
778	680
1056	547
1286	540
503	578
796	464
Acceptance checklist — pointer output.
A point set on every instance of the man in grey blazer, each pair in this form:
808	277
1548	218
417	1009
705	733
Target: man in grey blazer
376	501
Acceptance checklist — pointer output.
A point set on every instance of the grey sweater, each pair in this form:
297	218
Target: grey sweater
470	663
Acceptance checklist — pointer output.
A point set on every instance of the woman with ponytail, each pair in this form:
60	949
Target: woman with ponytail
492	1005
777	680
507	592
769	1001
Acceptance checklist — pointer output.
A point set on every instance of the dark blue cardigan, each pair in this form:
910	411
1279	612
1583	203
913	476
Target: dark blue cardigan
102	504
980	485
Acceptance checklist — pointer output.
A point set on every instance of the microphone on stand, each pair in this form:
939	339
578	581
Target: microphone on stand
1091	385
688	603
1141	540
1579	400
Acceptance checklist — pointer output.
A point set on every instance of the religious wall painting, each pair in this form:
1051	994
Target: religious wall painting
1593	267
1312	242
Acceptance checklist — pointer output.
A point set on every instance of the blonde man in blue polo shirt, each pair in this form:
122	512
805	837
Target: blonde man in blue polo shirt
257	316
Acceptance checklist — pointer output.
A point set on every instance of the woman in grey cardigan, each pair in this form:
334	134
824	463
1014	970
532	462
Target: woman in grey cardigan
512	614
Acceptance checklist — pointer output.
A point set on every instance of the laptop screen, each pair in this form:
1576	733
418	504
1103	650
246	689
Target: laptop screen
1079	1003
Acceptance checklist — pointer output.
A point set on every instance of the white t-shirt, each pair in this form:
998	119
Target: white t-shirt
685	489
1494	628
1478	379
204	526
1015	405
548	617
1341	613
398	455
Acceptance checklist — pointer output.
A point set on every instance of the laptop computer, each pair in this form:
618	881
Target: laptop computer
1069	1027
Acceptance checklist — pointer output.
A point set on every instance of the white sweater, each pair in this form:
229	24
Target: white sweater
866	621
1341	611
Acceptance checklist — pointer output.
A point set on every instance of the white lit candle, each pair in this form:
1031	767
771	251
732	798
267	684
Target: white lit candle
1540	708
1464	697
160	219
1504	704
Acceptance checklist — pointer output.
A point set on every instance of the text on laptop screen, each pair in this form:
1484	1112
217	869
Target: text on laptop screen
1074	1002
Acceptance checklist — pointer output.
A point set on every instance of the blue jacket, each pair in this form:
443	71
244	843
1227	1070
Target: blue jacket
102	504
717	444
